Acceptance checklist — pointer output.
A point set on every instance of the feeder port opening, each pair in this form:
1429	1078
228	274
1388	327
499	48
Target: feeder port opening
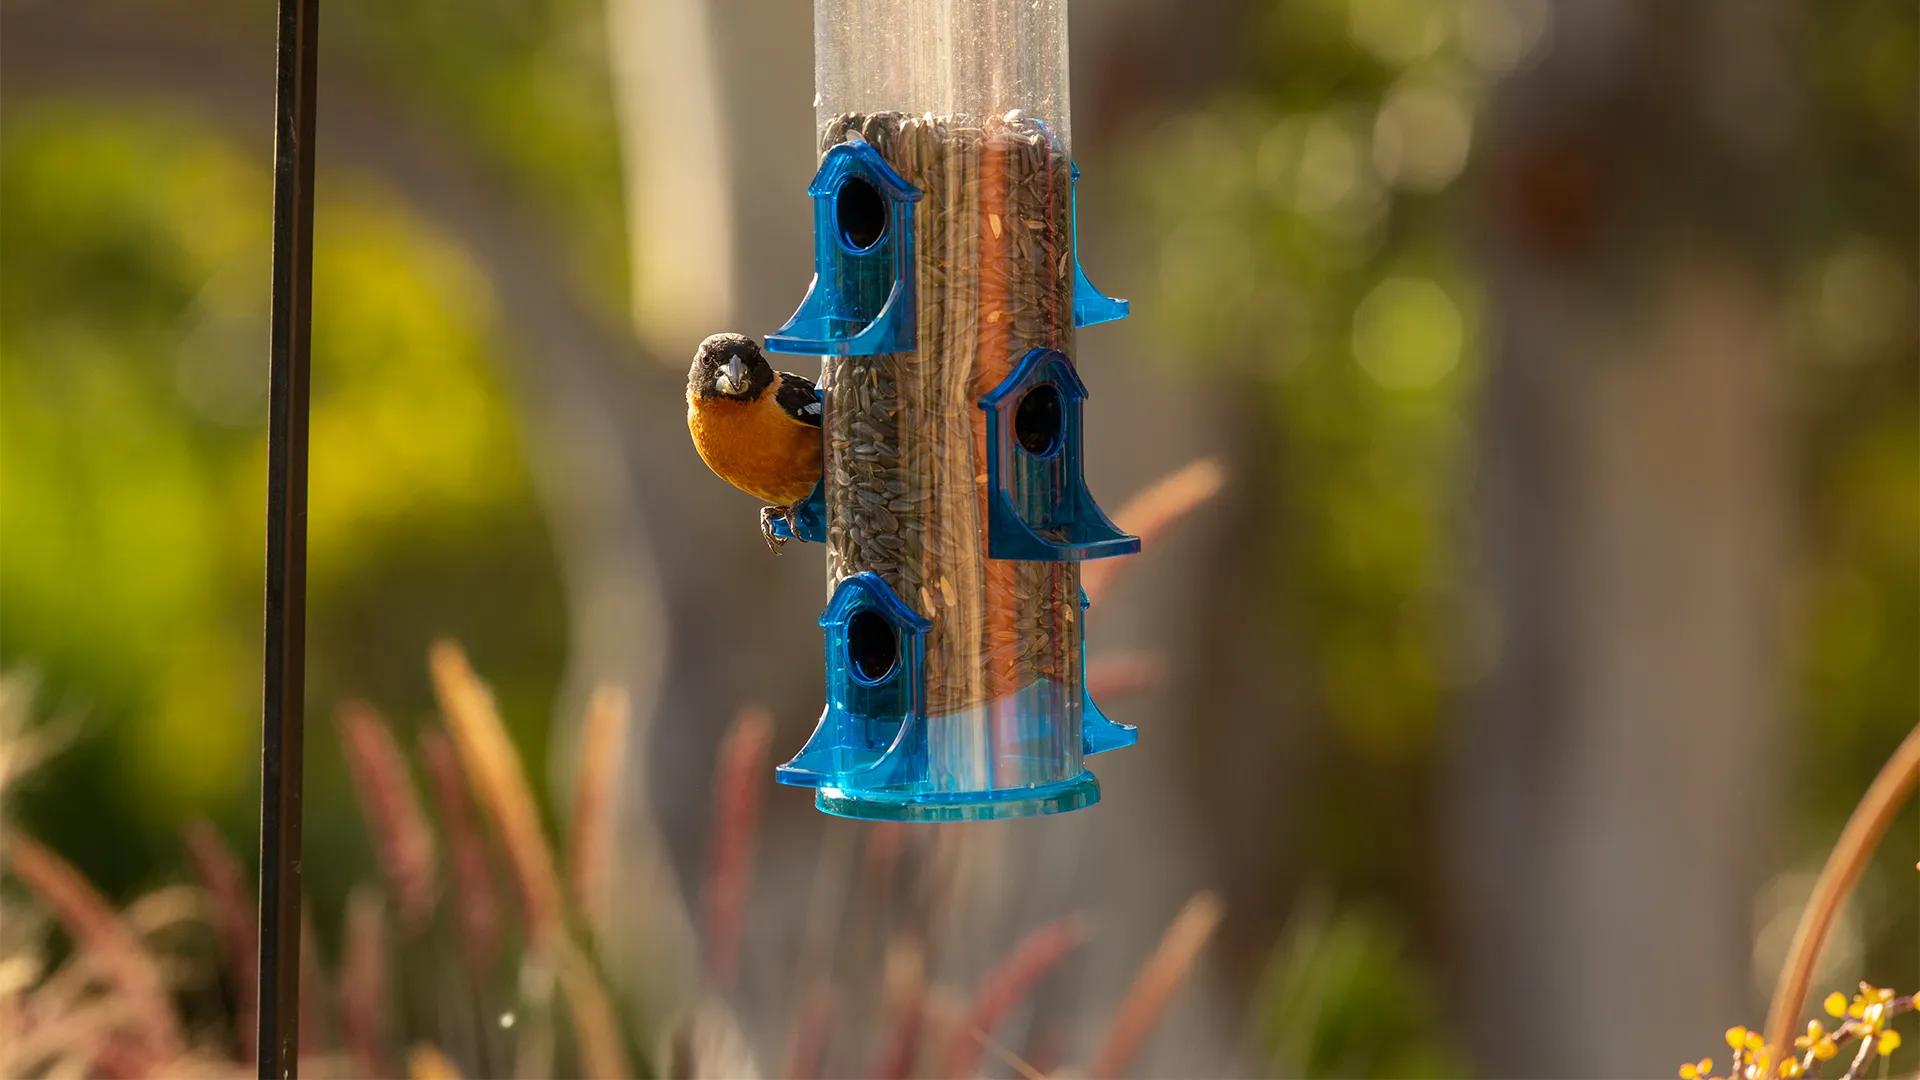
872	647
861	214
1036	420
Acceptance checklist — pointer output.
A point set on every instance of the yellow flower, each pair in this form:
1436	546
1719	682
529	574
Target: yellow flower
1889	1042
1836	1004
1789	1069
1825	1049
1689	1072
1815	1029
1736	1037
1755	1042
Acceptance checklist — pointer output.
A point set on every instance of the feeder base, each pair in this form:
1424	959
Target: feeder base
1057	798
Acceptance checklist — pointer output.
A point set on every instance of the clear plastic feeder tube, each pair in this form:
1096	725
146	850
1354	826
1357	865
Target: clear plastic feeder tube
948	117
950	58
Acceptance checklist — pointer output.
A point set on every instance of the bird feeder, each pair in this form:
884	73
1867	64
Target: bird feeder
953	508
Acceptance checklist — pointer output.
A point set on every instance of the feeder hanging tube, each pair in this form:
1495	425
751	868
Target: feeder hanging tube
946	295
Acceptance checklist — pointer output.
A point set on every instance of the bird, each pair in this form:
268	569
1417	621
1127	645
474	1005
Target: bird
756	428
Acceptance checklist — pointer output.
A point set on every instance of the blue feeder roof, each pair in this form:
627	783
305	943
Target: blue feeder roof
857	156
868	589
1028	370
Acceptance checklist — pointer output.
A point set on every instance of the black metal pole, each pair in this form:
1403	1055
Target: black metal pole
283	722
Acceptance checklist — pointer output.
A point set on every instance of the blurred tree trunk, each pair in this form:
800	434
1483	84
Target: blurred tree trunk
1613	792
715	100
676	168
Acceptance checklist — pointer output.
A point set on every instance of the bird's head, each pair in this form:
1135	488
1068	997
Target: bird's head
729	366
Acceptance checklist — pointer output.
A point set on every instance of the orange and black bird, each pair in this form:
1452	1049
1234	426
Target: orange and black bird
757	428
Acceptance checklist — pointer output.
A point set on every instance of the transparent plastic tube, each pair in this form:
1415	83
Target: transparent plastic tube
950	58
948	117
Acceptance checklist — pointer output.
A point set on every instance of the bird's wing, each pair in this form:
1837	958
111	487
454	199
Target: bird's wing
798	398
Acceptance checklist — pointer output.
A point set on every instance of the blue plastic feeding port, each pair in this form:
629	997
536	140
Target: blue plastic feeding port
878	755
873	732
861	299
1091	307
809	519
1097	733
1039	509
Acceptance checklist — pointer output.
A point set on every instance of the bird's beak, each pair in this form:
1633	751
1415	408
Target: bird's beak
734	377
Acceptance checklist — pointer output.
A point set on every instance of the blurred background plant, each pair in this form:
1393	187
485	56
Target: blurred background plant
439	974
1564	598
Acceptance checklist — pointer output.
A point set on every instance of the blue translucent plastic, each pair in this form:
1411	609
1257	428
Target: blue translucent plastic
877	755
1038	506
861	301
1091	307
1097	733
860	736
809	519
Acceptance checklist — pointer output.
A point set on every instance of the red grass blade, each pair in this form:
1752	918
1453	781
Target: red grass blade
738	783
1159	977
231	901
476	904
111	945
494	767
595	1025
363	984
1153	512
1008	985
1124	674
596	800
399	830
906	996
812	1029
313	990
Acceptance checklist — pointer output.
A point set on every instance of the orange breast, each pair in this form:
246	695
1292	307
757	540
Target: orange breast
756	447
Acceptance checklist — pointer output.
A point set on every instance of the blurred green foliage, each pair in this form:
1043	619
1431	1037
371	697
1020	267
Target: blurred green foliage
132	456
1342	998
1308	217
1296	245
527	87
1312	223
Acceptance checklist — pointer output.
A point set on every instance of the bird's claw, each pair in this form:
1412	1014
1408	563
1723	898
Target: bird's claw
767	515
